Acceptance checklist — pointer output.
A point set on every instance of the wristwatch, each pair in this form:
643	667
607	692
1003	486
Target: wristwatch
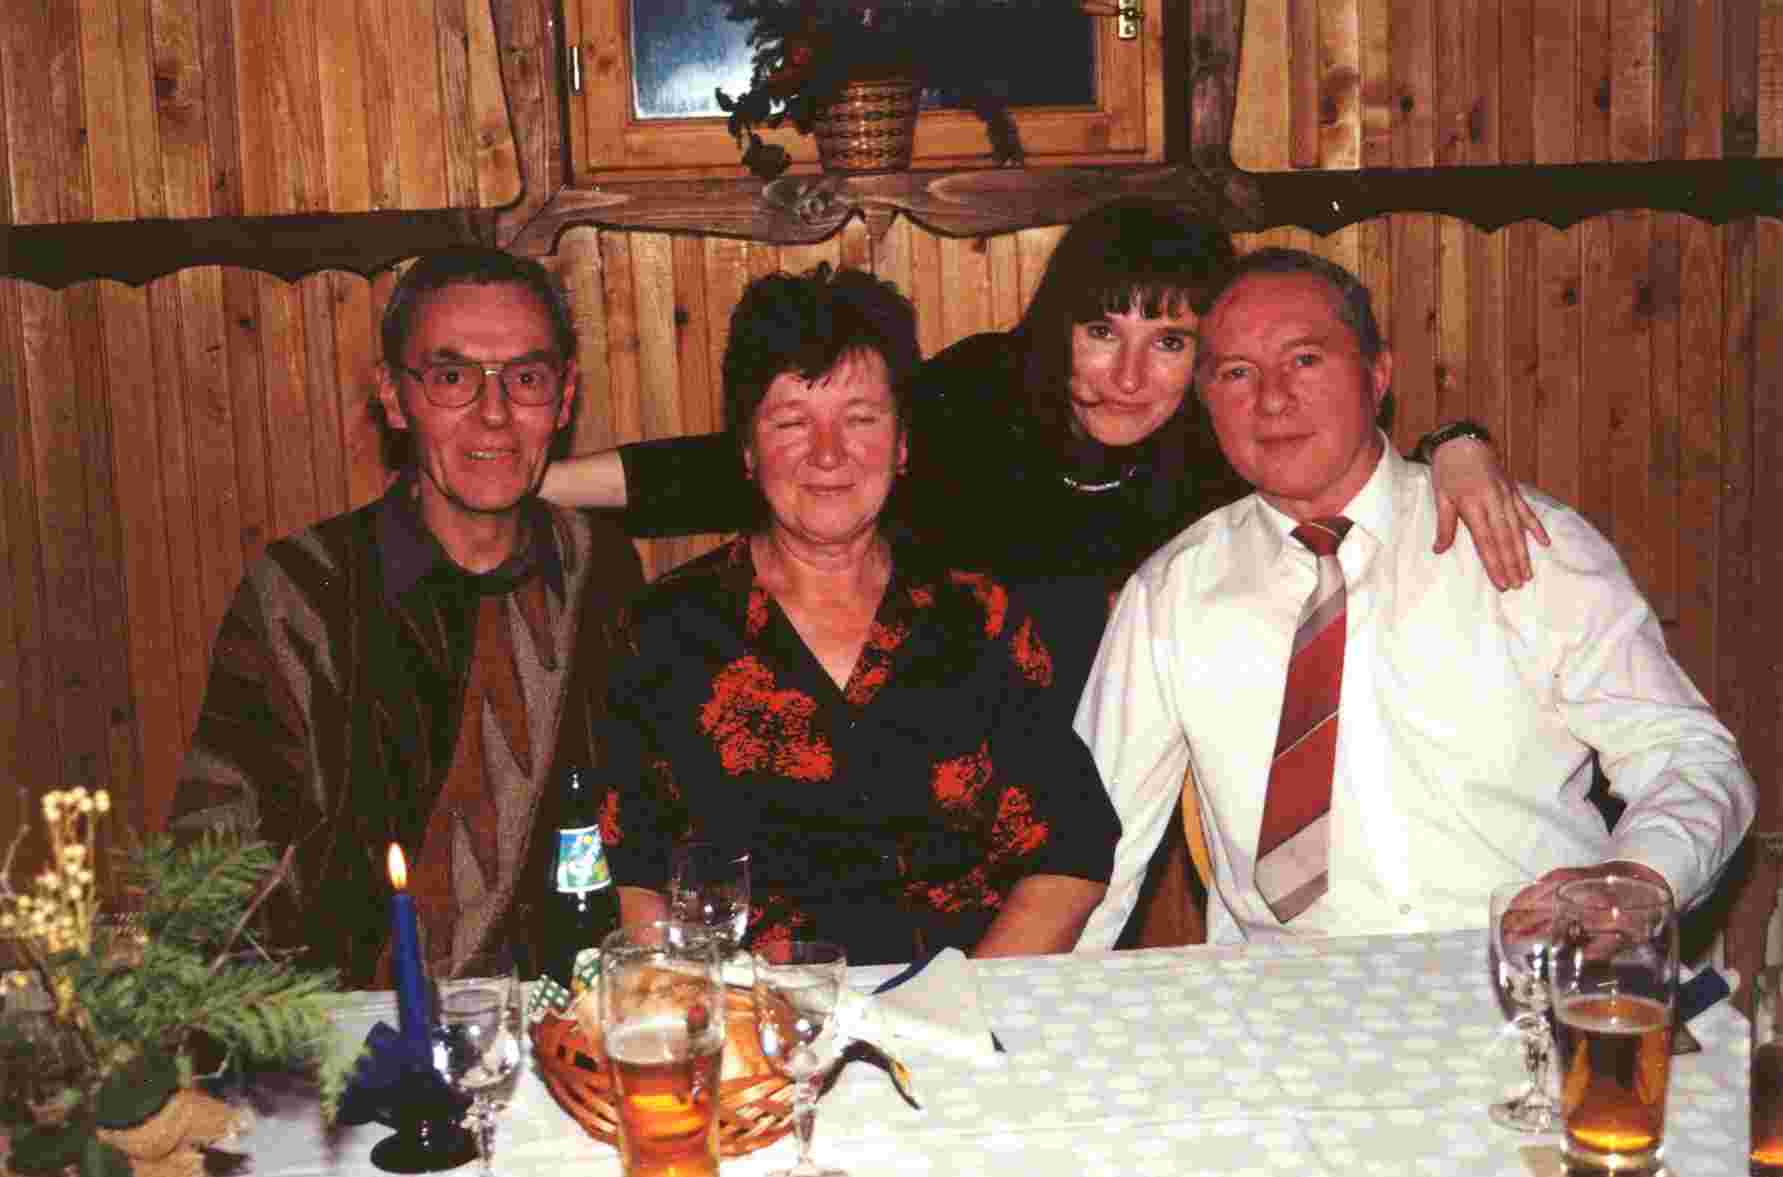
1443	434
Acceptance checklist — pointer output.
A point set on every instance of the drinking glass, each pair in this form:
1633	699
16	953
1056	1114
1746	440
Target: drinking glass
1518	943
709	889
1614	974
663	1026
797	986
479	1041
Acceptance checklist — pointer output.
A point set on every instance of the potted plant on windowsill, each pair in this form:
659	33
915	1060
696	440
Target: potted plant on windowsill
851	73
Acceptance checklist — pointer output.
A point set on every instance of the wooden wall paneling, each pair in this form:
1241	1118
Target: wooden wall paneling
1260	133
145	698
1634	87
420	110
1634	482
113	109
178	90
1003	257
892	258
727	273
357	353
1519	356
494	150
797	259
1486	55
243	326
299	167
1512	80
1766	715
1739	116
1555	89
452	36
292	490
1698	377
578	265
1558	281
21	639
1413	65
217	51
927	291
1033	250
1701	82
1594	77
1598	358
854	245
257	110
327	396
662	387
527	37
66	115
1379	103
1456	312
61	376
1340	84
210	492
1303	84
965	278
1456	81
1664	480
696	320
344	90
1414	321
1485	386
1671	74
383	141
625	379
1769	49
1739	531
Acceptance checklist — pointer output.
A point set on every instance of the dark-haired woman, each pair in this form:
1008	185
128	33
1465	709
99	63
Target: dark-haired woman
1060	454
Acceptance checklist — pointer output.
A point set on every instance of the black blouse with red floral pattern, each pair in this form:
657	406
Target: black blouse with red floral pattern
894	815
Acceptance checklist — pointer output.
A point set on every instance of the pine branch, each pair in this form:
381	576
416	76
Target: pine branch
271	880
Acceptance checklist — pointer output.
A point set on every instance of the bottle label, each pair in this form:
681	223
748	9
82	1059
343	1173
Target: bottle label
581	865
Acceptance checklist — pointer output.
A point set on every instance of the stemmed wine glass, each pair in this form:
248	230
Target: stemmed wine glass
709	889
797	986
480	1039
1521	924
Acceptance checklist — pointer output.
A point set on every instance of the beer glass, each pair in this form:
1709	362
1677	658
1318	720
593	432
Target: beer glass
1615	980
1767	1073
797	987
1517	945
663	1023
709	889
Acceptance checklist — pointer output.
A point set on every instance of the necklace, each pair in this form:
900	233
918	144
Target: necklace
1096	488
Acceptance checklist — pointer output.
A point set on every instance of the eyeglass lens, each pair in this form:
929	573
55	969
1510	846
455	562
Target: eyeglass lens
452	386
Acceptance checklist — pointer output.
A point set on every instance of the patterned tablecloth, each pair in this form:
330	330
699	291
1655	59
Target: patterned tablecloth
1346	1056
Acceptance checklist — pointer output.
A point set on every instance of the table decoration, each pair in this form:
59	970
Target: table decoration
110	1010
405	956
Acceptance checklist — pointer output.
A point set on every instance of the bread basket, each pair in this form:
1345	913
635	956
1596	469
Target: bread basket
755	1103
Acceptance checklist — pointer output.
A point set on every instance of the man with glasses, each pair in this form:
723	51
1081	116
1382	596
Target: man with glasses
419	670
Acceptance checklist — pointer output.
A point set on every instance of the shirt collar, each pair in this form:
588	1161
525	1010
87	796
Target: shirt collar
1371	511
408	551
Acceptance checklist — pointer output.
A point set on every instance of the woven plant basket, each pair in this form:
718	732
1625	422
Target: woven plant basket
754	1103
869	127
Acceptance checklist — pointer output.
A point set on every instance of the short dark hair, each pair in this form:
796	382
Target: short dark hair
1355	306
476	265
805	324
1132	252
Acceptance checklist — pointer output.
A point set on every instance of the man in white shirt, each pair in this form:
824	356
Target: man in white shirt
1465	719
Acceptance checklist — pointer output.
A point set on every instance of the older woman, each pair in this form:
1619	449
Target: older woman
881	731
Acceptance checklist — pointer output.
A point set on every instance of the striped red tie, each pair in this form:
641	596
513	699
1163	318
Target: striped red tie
1294	844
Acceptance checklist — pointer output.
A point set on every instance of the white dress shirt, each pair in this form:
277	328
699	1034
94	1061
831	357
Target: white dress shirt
1467	720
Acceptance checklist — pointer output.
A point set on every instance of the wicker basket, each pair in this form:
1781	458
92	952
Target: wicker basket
869	127
755	1104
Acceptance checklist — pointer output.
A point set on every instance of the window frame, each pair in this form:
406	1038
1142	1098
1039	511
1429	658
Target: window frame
607	142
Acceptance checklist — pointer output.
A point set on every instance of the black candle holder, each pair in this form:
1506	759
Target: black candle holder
429	1120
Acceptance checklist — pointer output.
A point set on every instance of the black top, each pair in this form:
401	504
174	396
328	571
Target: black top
983	491
894	815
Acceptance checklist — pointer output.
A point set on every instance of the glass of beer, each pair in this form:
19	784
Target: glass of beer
663	1025
1767	1074
1614	972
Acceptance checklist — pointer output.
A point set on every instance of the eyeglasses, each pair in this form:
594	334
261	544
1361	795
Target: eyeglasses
456	384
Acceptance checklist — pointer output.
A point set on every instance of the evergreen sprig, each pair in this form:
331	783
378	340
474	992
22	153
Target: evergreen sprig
132	997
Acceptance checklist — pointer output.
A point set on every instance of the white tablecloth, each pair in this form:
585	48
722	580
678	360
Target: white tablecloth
1338	1057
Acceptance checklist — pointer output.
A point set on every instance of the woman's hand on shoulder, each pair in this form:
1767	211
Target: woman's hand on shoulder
1471	486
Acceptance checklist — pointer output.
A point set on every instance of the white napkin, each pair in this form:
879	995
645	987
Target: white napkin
937	1010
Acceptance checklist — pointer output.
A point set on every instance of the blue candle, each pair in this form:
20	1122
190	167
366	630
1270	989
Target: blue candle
405	958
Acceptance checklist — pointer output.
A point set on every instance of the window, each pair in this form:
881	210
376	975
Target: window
648	70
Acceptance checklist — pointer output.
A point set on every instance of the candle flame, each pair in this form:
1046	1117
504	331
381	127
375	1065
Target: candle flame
399	868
